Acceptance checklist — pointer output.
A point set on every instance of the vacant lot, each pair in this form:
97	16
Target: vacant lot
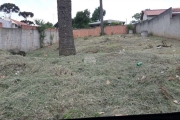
43	85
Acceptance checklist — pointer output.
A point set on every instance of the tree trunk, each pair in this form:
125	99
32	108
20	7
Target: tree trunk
66	41
101	15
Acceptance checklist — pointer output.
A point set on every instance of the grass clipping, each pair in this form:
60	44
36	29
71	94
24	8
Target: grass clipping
56	87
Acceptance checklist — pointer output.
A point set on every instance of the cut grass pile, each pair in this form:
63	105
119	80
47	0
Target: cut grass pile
43	85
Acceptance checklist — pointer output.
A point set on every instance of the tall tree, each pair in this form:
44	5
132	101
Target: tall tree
96	14
101	15
9	8
66	41
82	19
137	16
25	15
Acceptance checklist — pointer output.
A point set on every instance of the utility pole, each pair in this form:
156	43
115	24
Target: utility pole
101	15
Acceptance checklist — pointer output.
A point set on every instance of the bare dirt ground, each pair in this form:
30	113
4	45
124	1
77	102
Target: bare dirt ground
103	79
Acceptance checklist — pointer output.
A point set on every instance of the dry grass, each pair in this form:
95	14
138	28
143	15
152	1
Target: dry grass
43	85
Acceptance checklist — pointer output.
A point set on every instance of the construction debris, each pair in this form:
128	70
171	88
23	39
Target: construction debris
163	45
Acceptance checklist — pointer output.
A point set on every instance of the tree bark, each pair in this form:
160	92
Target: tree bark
66	40
101	15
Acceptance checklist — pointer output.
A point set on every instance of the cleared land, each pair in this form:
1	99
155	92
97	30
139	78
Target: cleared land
43	85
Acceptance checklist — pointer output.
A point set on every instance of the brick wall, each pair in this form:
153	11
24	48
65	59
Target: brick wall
120	29
115	30
0	25
27	38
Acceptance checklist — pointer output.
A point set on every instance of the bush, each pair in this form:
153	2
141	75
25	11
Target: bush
105	23
116	23
130	27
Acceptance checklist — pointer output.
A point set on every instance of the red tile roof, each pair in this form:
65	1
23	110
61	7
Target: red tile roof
159	11
154	12
18	23
176	10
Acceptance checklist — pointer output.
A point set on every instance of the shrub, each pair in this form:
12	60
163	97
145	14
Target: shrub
116	23
105	23
130	27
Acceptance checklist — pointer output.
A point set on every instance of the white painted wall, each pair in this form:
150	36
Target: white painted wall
163	25
24	40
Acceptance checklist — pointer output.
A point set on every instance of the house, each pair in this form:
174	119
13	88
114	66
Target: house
149	14
18	23
10	23
7	23
98	23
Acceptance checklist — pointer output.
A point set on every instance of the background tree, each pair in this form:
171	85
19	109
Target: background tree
9	8
66	41
96	14
25	15
137	16
27	22
82	19
49	25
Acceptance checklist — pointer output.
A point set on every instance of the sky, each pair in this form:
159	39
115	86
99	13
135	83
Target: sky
122	10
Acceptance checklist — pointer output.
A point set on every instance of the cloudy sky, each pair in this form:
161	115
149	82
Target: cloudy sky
115	9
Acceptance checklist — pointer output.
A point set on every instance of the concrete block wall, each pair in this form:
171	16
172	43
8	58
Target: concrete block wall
163	25
10	38
26	38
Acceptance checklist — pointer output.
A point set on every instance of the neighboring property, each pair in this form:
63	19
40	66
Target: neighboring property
18	23
149	14
10	23
98	23
166	24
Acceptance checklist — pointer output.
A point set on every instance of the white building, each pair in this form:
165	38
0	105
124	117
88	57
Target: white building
10	23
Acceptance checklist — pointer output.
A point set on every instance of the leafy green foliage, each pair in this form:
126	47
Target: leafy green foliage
42	26
116	23
137	16
105	23
9	8
25	15
130	27
82	19
27	22
49	25
96	14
